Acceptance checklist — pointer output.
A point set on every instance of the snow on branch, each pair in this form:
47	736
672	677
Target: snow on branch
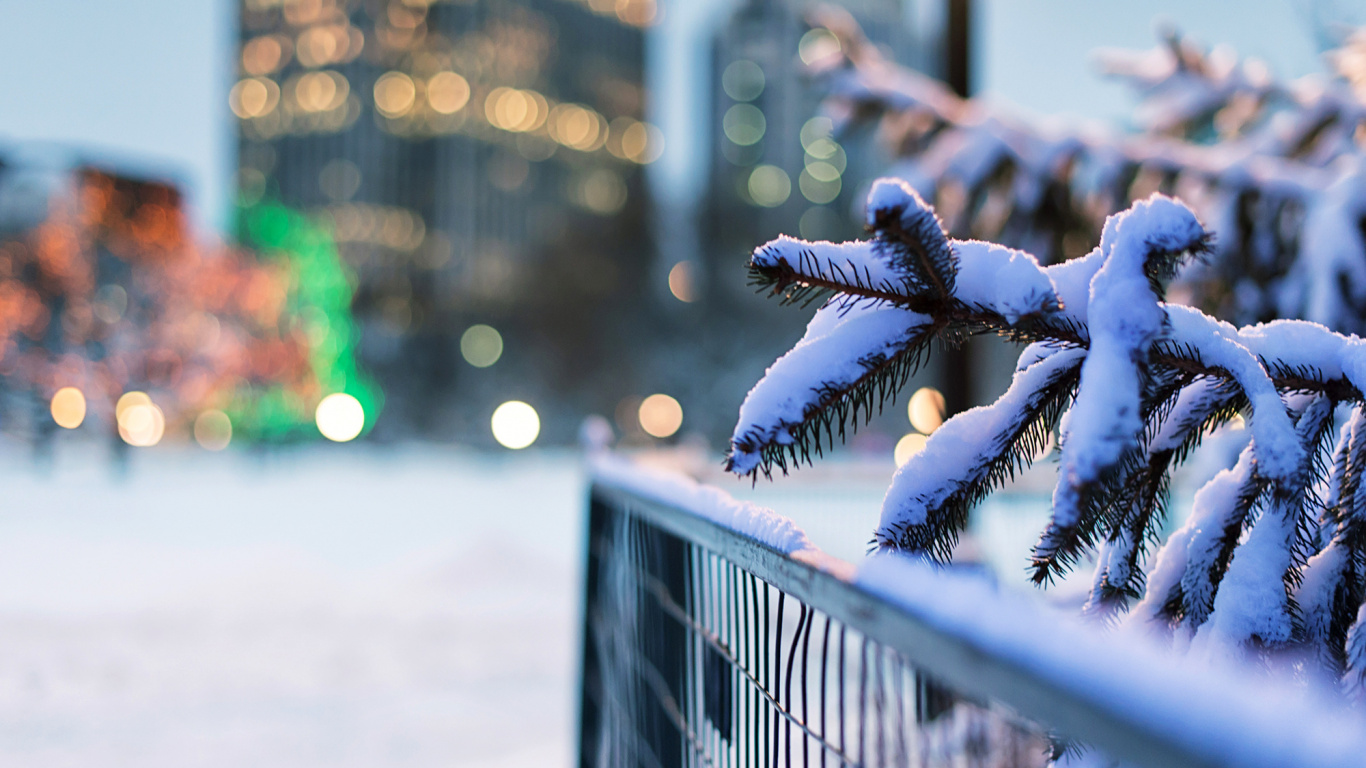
1273	556
854	354
973	454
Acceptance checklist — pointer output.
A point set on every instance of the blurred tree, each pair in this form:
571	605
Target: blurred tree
1276	168
108	293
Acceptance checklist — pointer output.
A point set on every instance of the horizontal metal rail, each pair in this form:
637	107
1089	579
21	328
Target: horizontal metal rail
936	658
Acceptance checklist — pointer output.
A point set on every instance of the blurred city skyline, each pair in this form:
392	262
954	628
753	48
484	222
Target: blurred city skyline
145	86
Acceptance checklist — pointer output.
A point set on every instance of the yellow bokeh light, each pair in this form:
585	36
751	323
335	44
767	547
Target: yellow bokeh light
320	91
681	282
515	425
504	107
68	407
254	97
213	430
909	446
394	94
577	127
340	417
141	422
262	55
324	45
128	400
448	92
660	415
926	409
637	13
514	110
642	143
481	345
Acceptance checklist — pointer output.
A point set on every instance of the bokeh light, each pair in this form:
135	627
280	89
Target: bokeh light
68	407
744	124
818	190
816	45
340	417
128	400
481	345
262	55
769	186
601	191
815	130
681	282
516	110
909	446
639	13
394	94
743	80
141	422
577	126
320	91
926	409
820	224
660	415
254	97
638	142
213	430
515	425
448	92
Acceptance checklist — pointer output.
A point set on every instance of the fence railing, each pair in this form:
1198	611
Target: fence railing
704	644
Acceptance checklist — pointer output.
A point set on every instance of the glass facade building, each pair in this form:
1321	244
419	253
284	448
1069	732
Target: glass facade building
480	166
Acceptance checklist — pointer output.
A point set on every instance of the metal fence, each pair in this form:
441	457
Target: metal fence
693	659
702	646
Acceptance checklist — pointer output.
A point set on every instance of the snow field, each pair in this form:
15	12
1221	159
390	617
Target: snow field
327	608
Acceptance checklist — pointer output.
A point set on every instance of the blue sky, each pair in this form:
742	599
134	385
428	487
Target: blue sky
139	82
145	82
1037	53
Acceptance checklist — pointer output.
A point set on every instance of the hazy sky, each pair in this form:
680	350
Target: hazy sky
141	82
145	81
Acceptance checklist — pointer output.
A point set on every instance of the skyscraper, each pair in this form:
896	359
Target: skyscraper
776	167
478	164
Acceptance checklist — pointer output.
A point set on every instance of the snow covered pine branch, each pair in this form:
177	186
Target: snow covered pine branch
1273	557
1276	167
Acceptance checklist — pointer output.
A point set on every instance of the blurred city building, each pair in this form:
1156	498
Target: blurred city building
479	165
115	318
775	167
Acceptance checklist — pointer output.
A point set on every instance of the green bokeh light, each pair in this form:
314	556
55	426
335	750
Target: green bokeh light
319	303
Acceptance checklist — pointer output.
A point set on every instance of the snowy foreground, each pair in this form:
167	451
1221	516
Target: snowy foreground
341	606
346	607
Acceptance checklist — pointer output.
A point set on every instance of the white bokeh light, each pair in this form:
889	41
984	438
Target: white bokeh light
515	425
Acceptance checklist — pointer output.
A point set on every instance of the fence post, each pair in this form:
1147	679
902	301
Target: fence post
590	669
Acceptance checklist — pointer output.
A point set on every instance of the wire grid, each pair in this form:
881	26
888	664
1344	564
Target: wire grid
692	661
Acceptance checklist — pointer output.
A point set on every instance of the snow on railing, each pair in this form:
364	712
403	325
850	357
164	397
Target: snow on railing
699	608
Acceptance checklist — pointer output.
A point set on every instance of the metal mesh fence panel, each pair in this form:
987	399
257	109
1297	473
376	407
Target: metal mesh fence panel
690	659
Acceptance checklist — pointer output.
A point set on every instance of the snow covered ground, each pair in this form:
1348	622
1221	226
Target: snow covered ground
348	607
336	606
